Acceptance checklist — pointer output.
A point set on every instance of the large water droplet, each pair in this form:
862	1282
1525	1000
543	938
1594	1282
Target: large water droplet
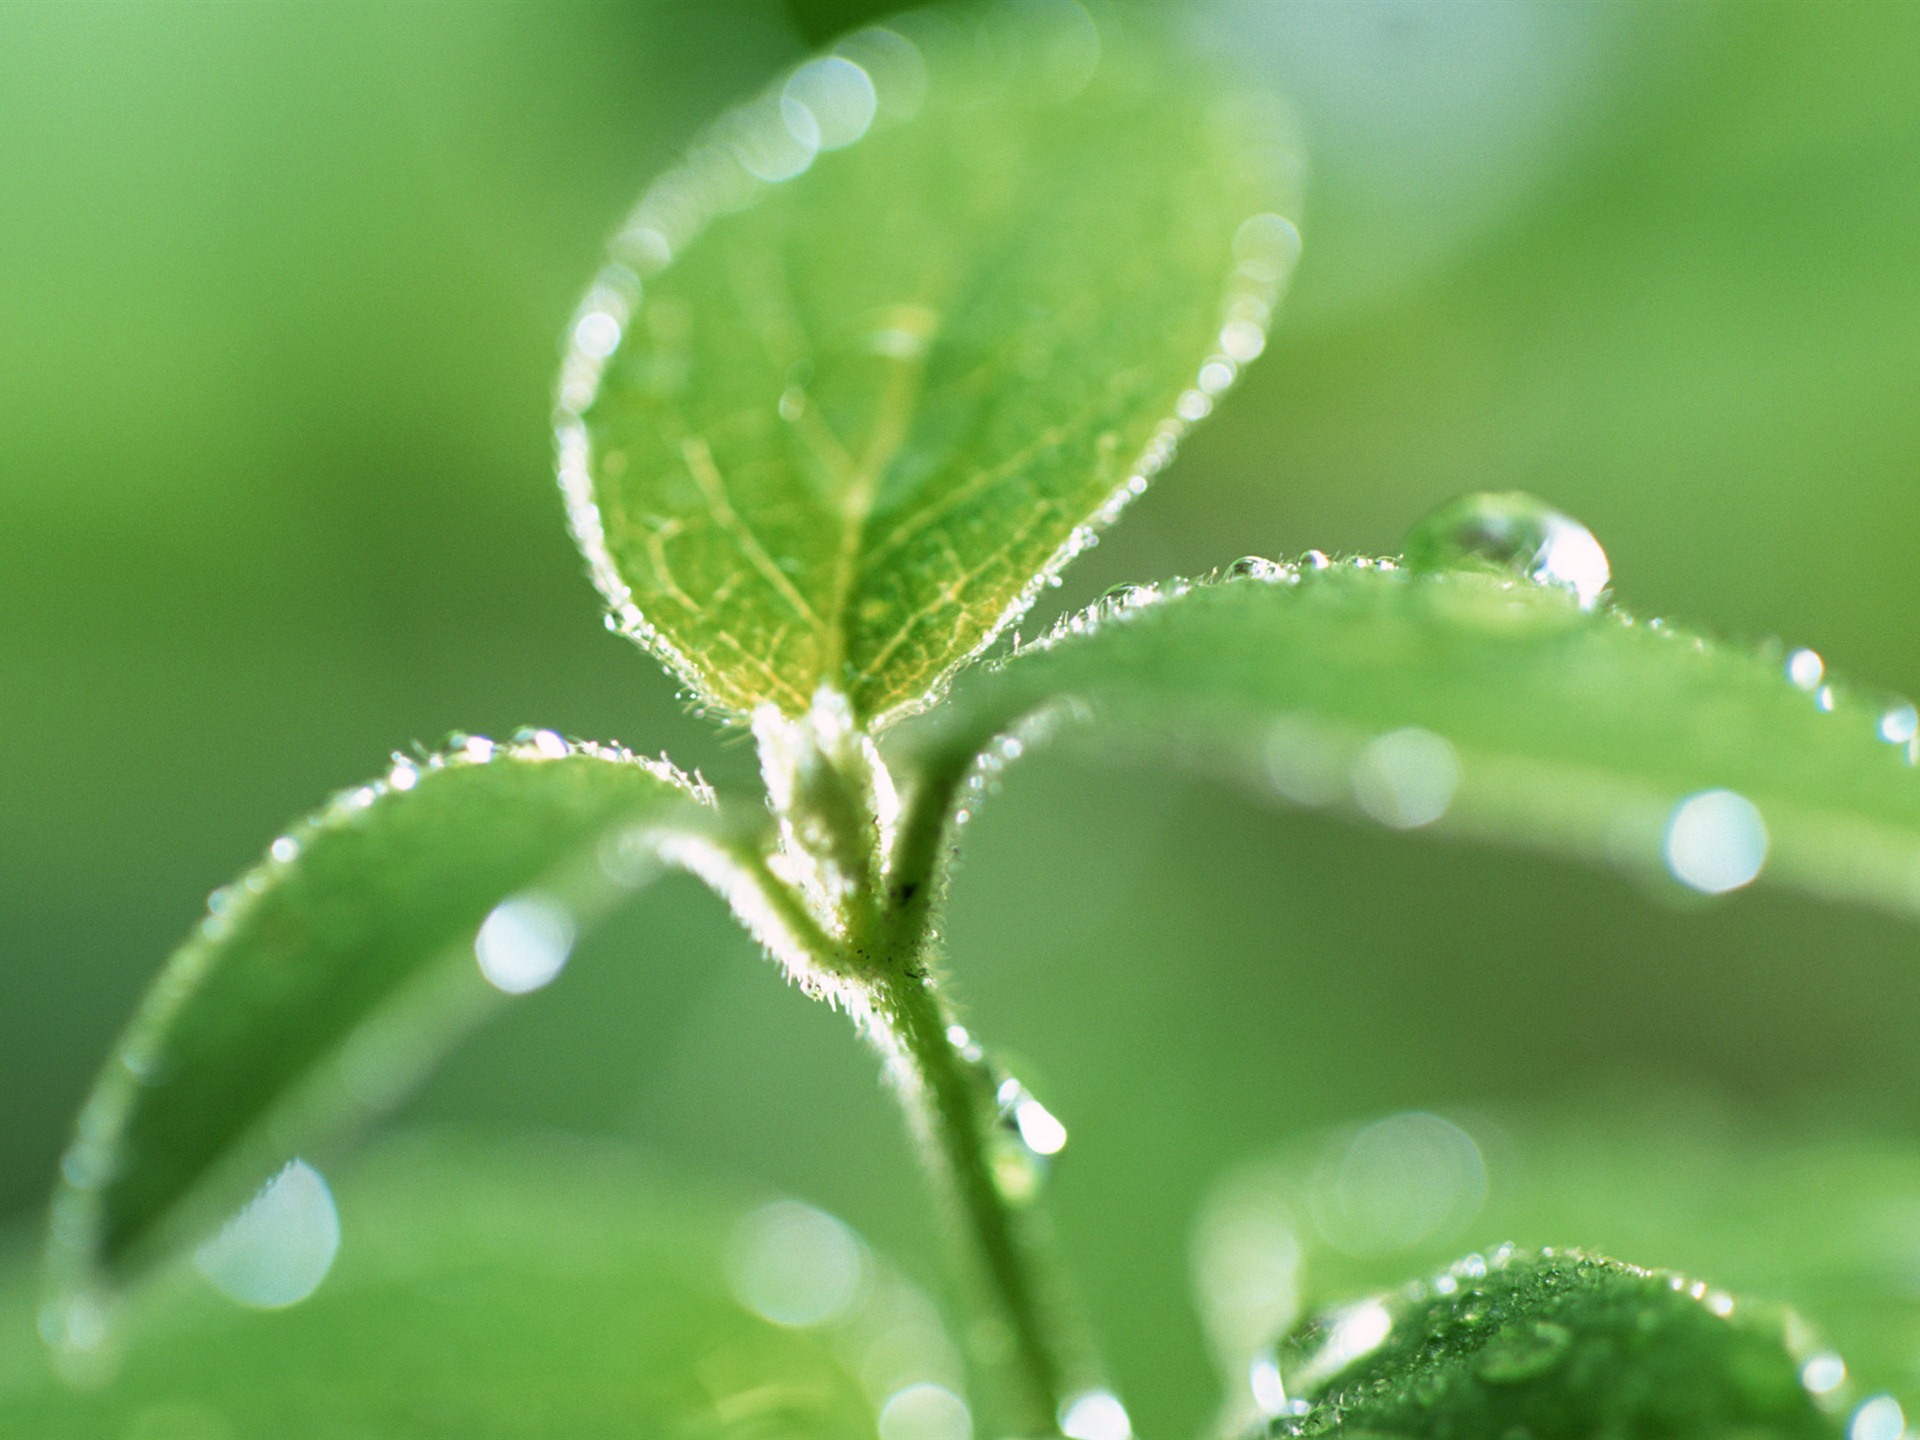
1716	841
277	1250
1515	532
1879	1419
524	943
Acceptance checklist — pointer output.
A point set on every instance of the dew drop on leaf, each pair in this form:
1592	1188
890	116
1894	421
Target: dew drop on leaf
1899	723
1806	669
1095	1415
524	943
1716	841
1515	532
278	1249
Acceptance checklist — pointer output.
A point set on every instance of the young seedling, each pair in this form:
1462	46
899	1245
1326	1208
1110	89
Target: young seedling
859	377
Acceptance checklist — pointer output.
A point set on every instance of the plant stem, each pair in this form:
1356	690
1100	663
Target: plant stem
948	1104
951	1106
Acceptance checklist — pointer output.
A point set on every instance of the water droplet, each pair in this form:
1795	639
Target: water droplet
524	943
795	1265
1881	1418
1823	1373
1805	669
1095	1415
1514	532
1716	841
1522	1352
1899	723
1315	560
1266	1385
839	99
286	850
925	1412
597	334
1257	567
278	1249
1242	340
1406	778
1036	1125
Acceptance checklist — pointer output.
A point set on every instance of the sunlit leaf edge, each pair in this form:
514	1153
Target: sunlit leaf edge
679	205
421	1012
1830	767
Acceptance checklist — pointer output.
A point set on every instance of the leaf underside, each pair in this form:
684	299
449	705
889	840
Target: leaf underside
1484	706
361	917
493	1292
854	415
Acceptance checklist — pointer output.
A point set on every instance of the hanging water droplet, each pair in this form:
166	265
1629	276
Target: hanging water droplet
1514	532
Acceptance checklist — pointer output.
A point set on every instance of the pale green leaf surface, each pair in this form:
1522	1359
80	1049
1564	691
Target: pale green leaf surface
325	978
1482	705
529	1290
833	412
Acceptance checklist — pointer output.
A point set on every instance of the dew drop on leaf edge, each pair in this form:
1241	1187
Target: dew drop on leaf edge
1515	532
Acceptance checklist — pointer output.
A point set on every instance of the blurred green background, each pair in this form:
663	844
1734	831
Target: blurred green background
280	292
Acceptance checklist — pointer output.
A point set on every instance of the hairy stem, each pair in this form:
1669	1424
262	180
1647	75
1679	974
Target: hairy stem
949	1104
857	927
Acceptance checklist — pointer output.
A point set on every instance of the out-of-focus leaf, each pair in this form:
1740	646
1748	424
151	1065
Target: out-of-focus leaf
1554	1346
867	367
531	1290
323	980
1480	704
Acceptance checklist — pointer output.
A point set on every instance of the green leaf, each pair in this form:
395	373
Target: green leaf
323	980
1556	1346
869	365
508	1291
1825	1223
1484	705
